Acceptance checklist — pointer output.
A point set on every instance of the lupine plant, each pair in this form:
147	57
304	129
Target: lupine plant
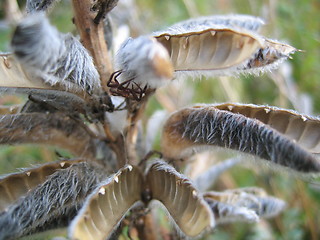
90	101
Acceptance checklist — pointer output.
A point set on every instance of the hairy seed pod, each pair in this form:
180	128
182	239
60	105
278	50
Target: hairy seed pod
303	129
145	61
227	213
268	57
263	205
234	21
17	185
57	59
201	127
52	204
221	45
47	128
107	205
38	5
184	203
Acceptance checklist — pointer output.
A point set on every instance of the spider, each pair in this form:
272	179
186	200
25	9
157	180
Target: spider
128	89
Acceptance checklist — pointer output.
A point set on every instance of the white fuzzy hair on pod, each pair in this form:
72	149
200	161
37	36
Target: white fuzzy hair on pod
57	59
245	23
39	5
145	61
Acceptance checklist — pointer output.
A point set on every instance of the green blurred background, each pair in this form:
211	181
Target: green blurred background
295	85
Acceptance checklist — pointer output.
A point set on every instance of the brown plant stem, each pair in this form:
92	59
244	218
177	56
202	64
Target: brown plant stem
136	110
12	11
145	228
92	38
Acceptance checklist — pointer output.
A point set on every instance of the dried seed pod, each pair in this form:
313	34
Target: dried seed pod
268	57
47	128
33	6
185	205
212	50
303	129
262	204
53	203
16	185
201	127
221	45
143	64
234	21
57	59
12	74
227	213
104	209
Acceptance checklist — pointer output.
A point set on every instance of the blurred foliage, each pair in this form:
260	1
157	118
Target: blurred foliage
295	21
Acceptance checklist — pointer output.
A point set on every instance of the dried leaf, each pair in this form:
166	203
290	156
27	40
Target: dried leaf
302	129
201	127
47	128
12	74
184	203
104	209
16	185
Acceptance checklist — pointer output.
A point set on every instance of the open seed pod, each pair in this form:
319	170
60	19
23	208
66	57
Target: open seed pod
16	185
12	74
221	45
104	209
184	203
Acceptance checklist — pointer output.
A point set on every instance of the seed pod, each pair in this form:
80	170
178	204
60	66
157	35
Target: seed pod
12	74
38	5
218	45
53	203
268	57
263	205
103	210
201	127
16	185
184	203
47	128
302	129
143	64
234	21
56	59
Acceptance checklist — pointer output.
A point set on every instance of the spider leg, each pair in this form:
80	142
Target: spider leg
121	106
113	81
139	92
125	84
